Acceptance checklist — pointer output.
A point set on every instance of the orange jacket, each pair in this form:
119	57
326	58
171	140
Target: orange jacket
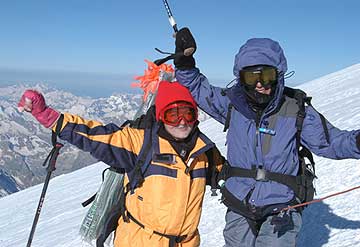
169	200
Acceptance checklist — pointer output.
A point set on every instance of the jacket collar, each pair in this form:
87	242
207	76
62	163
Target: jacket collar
202	143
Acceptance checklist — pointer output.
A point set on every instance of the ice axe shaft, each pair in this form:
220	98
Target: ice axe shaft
170	15
189	51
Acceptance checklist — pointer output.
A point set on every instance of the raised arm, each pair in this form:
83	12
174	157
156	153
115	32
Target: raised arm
209	98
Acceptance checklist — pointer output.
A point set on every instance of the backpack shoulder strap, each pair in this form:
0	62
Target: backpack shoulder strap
143	122
145	149
302	99
228	117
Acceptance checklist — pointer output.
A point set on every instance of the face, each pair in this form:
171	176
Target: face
180	131
259	78
179	119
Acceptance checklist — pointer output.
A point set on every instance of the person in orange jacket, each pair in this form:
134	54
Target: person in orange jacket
164	210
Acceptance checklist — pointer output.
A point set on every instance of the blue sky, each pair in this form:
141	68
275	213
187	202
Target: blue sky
96	47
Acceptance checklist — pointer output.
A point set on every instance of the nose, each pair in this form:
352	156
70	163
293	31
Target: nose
182	121
258	84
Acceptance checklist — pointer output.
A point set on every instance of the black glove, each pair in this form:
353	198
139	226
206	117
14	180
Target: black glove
185	46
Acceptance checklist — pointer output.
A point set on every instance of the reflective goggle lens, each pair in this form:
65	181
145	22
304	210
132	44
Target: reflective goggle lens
173	114
264	75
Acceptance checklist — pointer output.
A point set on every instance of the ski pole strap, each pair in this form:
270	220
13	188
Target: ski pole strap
53	156
173	240
56	146
165	59
57	130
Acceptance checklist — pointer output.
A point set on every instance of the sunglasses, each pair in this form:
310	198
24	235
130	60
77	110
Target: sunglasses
174	113
266	75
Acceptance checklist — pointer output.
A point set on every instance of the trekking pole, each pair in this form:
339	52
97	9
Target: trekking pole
54	153
53	156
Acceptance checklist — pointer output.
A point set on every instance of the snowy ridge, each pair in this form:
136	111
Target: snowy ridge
334	222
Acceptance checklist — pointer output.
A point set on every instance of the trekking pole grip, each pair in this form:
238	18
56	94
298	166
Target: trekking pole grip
54	155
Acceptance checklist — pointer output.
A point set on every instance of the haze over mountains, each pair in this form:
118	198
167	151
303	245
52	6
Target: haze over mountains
95	85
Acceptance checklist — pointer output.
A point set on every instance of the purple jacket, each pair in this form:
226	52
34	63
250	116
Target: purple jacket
246	146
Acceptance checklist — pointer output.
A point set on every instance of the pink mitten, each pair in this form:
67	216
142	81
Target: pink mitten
34	102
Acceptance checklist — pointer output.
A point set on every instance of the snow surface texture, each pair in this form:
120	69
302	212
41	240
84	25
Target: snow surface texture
334	222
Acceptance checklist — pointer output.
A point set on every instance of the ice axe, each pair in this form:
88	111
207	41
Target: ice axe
187	52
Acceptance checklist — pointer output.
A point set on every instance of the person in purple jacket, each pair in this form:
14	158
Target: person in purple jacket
262	140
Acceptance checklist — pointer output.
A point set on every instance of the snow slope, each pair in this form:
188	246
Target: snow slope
334	222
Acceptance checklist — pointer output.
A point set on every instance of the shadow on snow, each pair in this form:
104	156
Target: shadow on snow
317	219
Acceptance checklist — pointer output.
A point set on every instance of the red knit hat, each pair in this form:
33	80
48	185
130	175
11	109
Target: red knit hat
170	92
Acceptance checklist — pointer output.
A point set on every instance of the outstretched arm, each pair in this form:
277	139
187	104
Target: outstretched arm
108	143
339	144
114	146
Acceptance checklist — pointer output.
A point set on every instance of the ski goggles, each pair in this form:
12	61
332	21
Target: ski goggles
174	113
266	75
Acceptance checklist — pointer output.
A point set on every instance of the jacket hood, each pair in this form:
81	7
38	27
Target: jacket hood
258	51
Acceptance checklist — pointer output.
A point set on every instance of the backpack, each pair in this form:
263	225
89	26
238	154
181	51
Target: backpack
109	202
302	183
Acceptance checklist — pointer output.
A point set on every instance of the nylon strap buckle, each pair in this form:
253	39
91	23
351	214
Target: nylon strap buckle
260	175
